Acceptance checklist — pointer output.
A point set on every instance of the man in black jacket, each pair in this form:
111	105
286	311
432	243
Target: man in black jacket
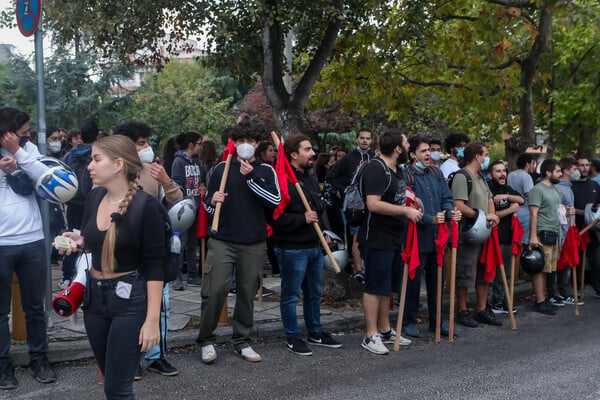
340	178
251	192
299	252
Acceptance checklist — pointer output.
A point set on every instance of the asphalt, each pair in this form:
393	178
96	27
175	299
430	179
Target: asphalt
68	340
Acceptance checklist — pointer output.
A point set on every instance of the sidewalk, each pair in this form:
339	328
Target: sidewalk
68	341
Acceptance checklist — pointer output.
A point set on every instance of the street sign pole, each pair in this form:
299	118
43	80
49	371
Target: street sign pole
44	206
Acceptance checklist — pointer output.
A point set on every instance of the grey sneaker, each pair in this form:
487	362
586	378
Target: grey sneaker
178	284
374	344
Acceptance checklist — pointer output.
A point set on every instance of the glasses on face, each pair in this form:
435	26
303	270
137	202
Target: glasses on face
199	143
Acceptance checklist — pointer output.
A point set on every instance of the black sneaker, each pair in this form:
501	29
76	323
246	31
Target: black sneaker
324	340
138	373
194	281
487	317
557	301
544	308
163	367
42	371
265	292
297	346
7	378
551	305
465	318
360	276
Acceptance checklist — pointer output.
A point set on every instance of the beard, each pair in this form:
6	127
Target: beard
554	181
402	158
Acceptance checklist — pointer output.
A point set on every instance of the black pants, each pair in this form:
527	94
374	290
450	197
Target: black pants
413	290
271	255
113	327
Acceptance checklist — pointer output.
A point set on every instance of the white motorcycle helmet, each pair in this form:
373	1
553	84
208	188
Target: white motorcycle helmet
339	252
182	214
57	185
475	230
590	214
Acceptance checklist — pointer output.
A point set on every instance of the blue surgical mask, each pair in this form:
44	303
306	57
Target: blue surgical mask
436	155
486	164
460	152
23	141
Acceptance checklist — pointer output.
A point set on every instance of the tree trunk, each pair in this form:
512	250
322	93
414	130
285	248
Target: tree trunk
587	142
529	66
288	108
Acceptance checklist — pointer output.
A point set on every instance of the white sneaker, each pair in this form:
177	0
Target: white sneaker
390	337
208	354
64	283
248	354
571	301
374	344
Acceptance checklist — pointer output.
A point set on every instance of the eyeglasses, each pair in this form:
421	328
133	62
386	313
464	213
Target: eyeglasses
199	143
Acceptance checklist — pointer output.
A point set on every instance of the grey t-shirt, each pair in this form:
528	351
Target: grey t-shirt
522	182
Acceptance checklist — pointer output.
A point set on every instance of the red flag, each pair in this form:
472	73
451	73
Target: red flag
229	149
491	255
569	255
202	230
440	243
517	235
454	233
284	171
410	255
584	240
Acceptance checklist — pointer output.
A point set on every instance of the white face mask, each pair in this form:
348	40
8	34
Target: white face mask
54	146
146	155
436	155
575	176
245	151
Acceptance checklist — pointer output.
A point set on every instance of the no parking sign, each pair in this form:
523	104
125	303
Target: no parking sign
28	15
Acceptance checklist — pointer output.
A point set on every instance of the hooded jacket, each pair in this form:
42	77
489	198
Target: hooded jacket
186	172
342	172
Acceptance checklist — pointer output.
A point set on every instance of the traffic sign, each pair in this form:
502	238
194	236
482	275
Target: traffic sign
28	15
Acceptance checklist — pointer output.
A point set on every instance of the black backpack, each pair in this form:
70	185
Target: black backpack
410	179
171	259
79	167
467	176
355	208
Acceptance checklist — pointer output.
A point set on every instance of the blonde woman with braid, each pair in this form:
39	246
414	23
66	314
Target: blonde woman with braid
123	294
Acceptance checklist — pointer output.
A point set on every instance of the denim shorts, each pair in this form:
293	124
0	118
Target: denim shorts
383	271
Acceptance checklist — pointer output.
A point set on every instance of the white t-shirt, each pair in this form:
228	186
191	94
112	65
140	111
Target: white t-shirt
449	166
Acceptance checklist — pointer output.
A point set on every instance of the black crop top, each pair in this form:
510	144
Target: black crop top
146	253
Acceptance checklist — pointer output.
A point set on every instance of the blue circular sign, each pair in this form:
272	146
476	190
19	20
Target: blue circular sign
28	15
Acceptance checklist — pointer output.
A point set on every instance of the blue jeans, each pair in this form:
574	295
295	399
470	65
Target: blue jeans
301	269
155	352
113	327
28	261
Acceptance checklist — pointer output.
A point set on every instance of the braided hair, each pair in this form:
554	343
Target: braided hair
117	146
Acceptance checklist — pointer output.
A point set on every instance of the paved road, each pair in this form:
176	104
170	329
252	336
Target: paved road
547	358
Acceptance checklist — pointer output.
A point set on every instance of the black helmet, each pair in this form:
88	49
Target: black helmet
533	260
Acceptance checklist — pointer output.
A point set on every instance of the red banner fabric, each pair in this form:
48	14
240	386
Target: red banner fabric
584	240
410	255
569	255
491	256
284	171
440	243
517	235
202	230
229	149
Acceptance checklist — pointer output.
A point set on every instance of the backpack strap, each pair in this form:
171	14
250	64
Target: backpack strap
388	174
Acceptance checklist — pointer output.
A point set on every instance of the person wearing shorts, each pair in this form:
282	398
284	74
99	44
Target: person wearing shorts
544	200
381	236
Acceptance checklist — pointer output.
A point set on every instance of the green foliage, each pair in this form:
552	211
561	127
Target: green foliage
182	97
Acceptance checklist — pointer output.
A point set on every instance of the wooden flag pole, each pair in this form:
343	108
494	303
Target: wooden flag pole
438	307
401	308
590	226
513	261
99	377
452	295
509	300
217	216
315	225
582	262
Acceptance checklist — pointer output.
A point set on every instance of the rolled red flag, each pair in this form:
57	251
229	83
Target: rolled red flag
584	240
229	149
440	243
517	235
410	255
202	230
491	256
454	233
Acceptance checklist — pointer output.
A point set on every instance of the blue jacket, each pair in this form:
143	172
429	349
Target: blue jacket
436	196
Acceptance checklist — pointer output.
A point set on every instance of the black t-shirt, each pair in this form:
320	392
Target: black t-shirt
504	231
383	231
584	192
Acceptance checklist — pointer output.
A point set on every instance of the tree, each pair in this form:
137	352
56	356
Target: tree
181	97
247	37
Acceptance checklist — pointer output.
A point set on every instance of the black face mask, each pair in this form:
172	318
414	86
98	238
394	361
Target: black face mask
23	141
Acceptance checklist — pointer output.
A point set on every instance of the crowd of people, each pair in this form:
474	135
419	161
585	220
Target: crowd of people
404	180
